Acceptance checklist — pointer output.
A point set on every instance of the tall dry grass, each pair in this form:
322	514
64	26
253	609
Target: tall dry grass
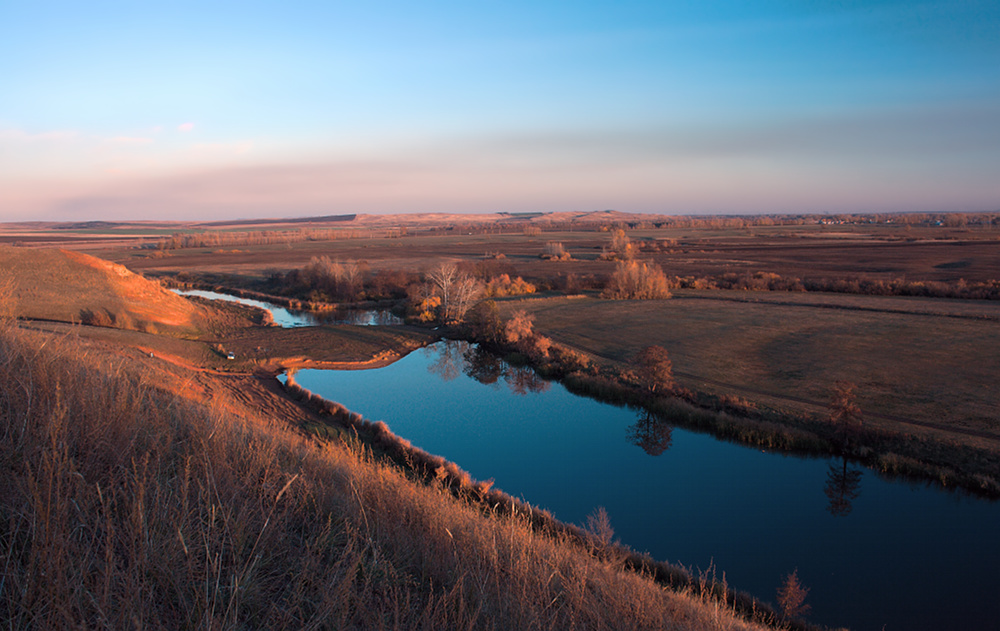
124	507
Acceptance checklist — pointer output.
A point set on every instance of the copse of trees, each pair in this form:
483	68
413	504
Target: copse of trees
337	280
635	280
620	247
769	281
327	280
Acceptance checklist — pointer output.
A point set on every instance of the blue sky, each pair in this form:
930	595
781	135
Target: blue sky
188	110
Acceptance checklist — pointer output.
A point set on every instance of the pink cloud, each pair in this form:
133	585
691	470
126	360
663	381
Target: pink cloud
185	127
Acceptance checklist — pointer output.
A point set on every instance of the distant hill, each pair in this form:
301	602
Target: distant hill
70	286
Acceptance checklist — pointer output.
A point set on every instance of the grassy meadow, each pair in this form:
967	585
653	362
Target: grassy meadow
923	367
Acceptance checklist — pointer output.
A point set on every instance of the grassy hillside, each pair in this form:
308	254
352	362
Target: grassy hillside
124	504
73	287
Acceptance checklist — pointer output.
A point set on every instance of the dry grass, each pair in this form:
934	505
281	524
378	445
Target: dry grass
123	506
71	287
923	367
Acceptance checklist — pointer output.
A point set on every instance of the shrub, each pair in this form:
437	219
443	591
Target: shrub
555	252
502	285
97	317
519	327
792	596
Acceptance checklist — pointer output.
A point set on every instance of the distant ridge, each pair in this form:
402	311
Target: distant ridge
87	225
258	222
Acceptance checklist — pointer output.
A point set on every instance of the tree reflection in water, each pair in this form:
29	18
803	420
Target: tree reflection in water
455	357
450	360
523	380
843	486
483	366
651	432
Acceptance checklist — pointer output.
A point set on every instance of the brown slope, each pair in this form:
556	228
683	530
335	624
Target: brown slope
66	286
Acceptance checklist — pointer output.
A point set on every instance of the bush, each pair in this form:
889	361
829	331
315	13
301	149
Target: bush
502	285
555	252
97	317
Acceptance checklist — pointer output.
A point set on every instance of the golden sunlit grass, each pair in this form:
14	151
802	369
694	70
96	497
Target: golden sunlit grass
70	286
124	506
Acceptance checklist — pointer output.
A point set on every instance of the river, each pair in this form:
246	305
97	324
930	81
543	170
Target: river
875	553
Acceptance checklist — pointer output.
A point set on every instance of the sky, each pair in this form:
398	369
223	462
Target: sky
196	110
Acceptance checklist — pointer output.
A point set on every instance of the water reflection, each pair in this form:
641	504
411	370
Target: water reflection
843	486
452	358
357	317
652	433
484	366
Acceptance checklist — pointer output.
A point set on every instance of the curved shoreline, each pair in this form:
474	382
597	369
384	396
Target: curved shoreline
436	470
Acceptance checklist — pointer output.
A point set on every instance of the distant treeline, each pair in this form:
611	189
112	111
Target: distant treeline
595	222
768	281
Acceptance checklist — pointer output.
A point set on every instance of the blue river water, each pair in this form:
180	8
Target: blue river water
875	554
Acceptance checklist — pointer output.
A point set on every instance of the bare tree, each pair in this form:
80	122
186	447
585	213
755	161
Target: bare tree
845	415
443	278
465	292
335	278
655	369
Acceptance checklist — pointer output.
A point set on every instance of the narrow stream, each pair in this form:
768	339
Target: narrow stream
876	554
290	318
